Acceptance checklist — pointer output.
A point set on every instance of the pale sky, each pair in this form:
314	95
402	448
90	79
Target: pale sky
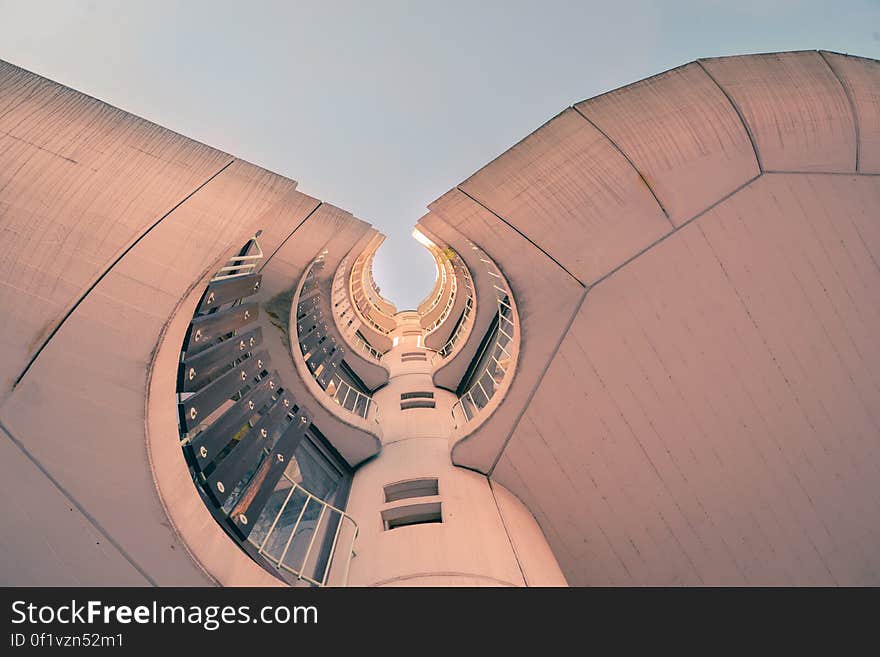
380	107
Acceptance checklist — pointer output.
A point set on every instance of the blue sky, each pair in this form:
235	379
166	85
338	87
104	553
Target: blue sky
379	107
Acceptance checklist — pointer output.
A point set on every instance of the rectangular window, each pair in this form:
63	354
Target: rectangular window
416	395
417	403
414	514
411	488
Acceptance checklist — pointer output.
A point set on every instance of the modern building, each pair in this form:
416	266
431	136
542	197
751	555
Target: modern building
650	356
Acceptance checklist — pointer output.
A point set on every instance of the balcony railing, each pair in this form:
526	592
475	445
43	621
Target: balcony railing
320	351
241	265
450	301
356	341
243	435
463	324
497	360
295	548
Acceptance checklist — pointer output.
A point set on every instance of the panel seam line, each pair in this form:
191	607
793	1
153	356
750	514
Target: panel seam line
88	516
521	234
540	380
103	275
850	100
739	113
627	158
580	303
296	228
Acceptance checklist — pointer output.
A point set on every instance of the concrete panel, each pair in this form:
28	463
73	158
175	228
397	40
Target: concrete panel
795	107
282	220
92	374
861	80
712	415
570	192
683	136
48	541
80	181
546	296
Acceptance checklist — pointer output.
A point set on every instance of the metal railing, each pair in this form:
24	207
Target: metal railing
286	545
339	389
366	296
500	357
354	340
449	302
351	399
447	349
245	440
240	265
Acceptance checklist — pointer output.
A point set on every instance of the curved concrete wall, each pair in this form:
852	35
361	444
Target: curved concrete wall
795	107
861	78
109	223
682	135
703	410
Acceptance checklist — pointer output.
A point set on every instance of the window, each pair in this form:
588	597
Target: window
413	514
411	488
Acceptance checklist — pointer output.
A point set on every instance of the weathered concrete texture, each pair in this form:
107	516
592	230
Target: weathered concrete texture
795	107
683	136
109	224
712	416
861	79
80	181
573	194
49	541
547	291
92	375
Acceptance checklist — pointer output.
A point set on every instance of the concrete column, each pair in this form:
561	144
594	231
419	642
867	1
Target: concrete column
476	538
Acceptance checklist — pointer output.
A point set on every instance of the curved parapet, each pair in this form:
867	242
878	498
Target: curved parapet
694	150
373	310
666	374
795	108
860	78
674	380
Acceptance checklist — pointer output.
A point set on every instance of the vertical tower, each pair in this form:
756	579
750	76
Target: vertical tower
423	521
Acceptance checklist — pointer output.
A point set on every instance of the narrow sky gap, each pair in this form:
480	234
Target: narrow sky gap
379	108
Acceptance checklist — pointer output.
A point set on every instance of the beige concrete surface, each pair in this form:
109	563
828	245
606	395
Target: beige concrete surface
682	135
539	285
712	416
696	399
795	107
569	191
861	80
81	181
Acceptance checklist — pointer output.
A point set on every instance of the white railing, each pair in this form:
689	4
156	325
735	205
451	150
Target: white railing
501	358
240	265
285	546
359	298
355	340
449	302
446	349
351	399
340	390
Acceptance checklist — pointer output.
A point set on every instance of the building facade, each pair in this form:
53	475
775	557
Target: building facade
649	357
